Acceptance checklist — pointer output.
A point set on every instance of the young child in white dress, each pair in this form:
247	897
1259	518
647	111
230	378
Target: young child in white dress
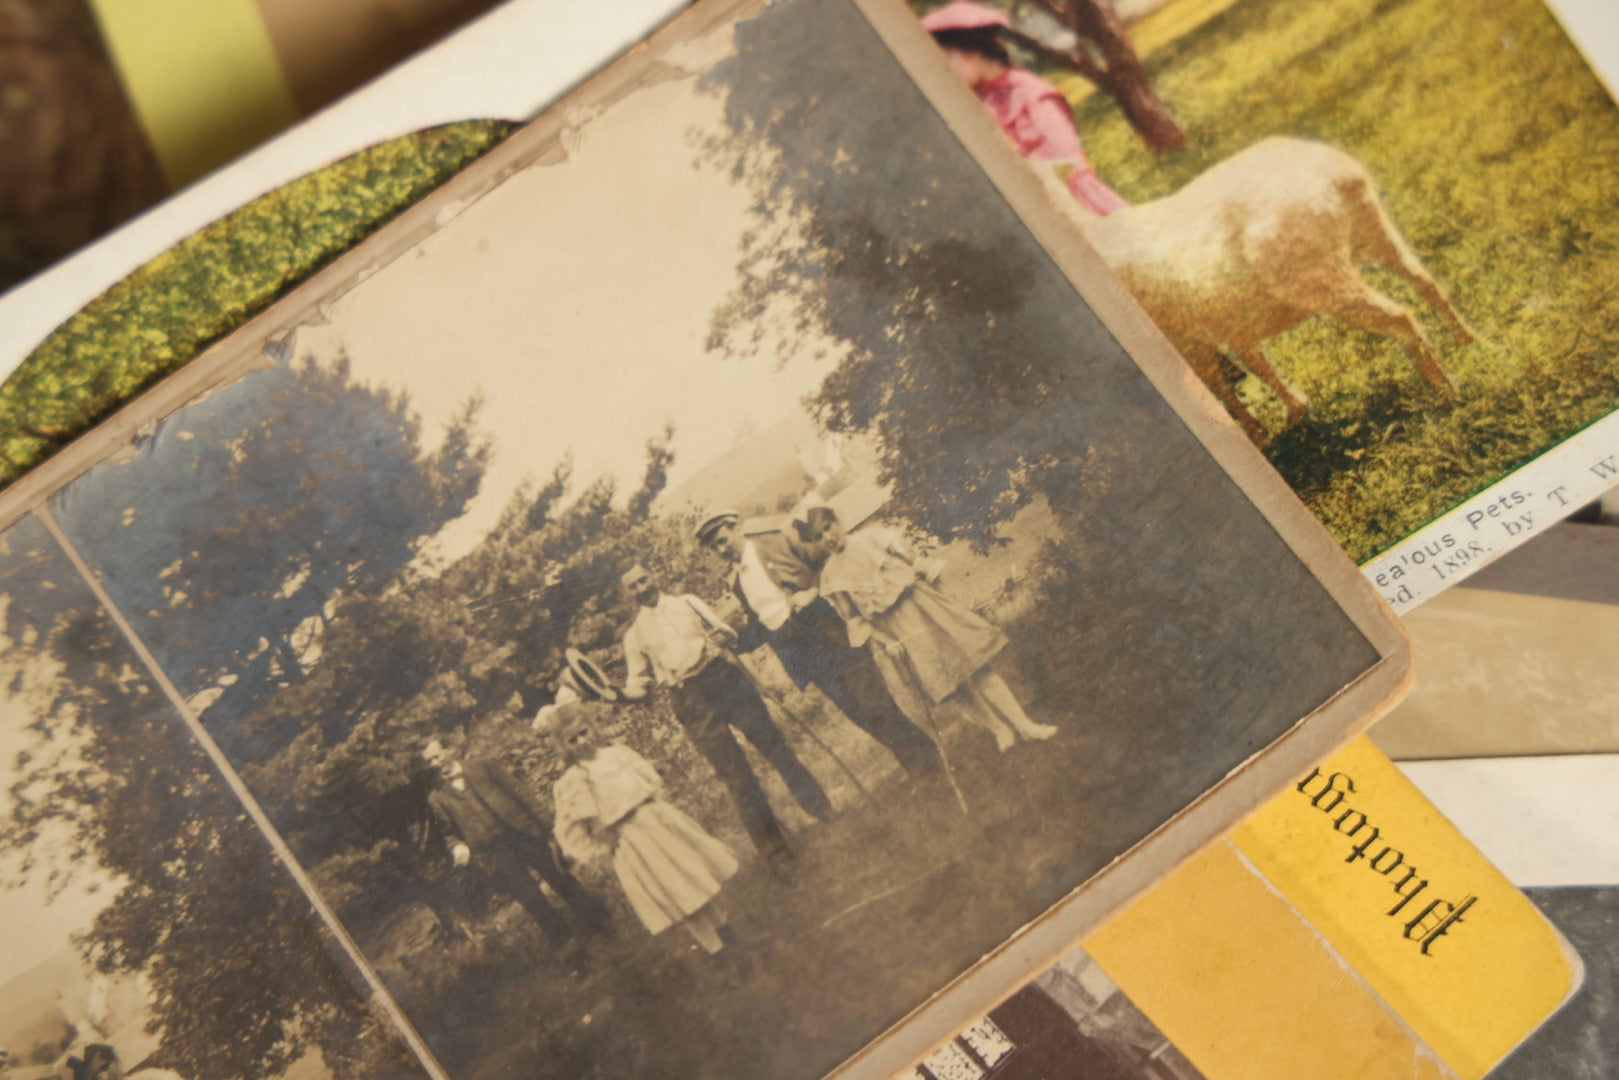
933	652
609	807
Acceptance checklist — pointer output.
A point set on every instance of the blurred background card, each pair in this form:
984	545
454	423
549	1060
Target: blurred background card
74	159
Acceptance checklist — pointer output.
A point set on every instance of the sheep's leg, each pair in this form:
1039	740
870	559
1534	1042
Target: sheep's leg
1204	361
1254	359
1378	242
1358	304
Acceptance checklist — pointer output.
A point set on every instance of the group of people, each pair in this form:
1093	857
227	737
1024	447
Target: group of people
855	615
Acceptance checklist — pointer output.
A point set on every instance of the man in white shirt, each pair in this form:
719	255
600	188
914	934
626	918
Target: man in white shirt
776	584
681	644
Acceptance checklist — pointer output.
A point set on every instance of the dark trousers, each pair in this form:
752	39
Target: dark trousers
814	648
708	706
507	871
856	687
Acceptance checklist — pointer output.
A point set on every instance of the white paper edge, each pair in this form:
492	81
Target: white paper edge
1543	821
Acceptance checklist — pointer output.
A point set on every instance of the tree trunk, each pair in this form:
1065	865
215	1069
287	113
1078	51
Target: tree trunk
1143	107
1122	74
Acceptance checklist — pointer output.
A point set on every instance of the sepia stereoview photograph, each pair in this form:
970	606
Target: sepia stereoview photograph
727	587
149	931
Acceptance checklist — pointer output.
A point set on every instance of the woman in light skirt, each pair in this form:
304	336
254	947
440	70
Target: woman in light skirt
610	807
934	653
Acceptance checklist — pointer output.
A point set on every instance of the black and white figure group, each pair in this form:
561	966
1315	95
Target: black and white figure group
856	615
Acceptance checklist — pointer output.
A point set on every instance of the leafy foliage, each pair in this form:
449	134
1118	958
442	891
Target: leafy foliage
468	656
930	299
115	786
323	663
301	486
301	491
169	310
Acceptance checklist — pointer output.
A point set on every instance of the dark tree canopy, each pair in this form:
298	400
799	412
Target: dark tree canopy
229	540
117	788
301	485
932	295
467	657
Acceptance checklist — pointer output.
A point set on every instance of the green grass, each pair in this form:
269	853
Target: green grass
1497	152
170	309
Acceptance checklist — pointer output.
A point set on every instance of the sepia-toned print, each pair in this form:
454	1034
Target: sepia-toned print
149	932
703	582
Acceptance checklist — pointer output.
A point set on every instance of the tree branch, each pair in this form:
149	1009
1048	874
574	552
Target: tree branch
49	434
1073	61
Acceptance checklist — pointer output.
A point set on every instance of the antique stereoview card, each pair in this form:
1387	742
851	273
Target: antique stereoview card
727	587
1071	1022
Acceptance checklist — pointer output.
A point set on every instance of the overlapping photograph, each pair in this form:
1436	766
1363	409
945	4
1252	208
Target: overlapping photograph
150	930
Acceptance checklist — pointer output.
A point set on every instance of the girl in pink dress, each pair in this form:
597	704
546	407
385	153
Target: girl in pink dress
933	652
1032	112
610	807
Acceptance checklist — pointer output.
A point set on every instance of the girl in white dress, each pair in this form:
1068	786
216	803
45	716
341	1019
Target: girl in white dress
933	652
609	806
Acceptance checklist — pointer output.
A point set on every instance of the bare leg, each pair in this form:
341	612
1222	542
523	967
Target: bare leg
1349	299
704	926
976	709
992	690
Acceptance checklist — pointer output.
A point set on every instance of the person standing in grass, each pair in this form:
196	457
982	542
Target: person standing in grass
1032	112
776	587
610	808
679	643
934	652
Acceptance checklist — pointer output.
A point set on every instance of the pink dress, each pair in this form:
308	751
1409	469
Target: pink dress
1035	116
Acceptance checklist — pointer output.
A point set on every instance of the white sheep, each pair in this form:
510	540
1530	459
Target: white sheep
1256	245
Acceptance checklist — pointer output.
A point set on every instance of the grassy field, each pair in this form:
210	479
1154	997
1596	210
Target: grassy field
1497	152
169	310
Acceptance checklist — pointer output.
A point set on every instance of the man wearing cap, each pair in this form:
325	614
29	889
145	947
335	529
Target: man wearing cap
775	582
679	643
496	833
